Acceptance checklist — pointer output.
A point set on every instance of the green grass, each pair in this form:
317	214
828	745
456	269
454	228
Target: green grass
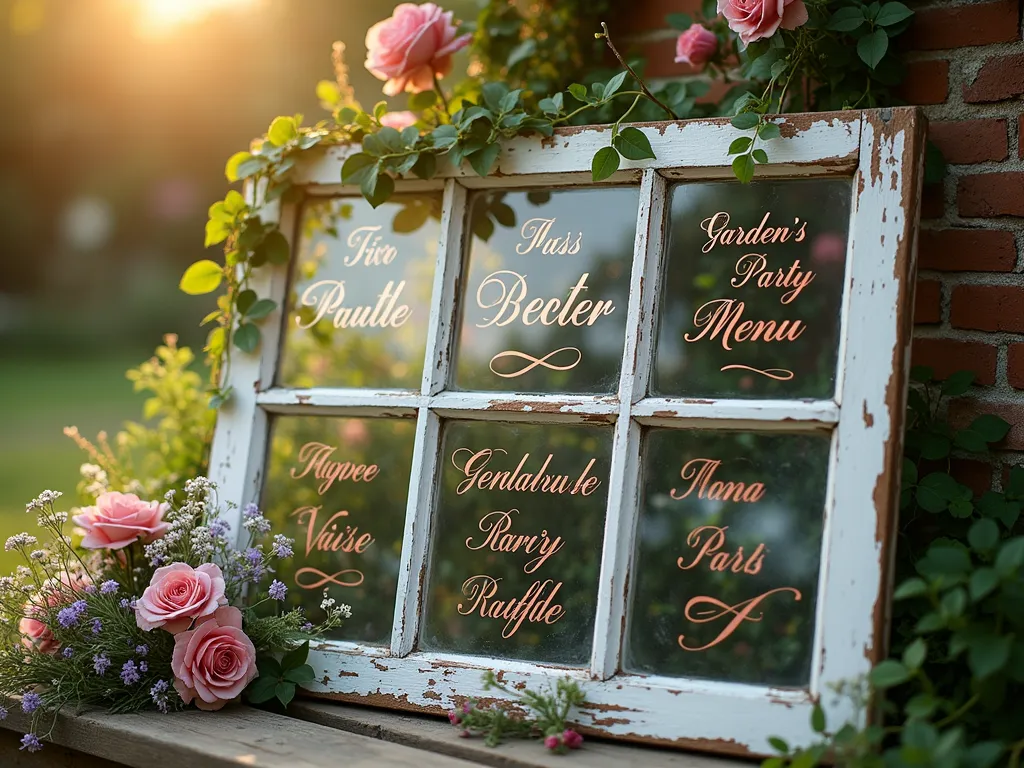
38	398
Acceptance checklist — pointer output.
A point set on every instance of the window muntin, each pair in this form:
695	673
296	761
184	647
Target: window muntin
546	289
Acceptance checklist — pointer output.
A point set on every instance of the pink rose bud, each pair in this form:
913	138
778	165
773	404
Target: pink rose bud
695	46
214	662
571	739
410	48
398	120
118	519
757	19
179	593
467	707
552	742
454	717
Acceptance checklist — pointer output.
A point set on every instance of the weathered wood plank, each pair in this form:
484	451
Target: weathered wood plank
439	738
236	736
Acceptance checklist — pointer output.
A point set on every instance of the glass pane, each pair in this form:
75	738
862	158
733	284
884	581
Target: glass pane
544	306
338	486
360	293
753	289
726	567
517	541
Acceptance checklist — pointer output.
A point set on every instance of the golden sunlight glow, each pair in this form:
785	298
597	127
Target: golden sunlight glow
160	17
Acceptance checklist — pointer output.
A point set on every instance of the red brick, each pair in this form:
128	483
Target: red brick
988	308
1015	365
933	201
661	55
1001	77
967	250
963	411
1020	137
977	24
970	141
991	194
928	302
976	475
926	82
947	356
649	15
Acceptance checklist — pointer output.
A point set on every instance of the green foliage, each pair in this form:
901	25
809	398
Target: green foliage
536	715
950	691
280	677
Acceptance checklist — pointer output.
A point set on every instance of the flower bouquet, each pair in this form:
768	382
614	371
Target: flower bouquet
154	608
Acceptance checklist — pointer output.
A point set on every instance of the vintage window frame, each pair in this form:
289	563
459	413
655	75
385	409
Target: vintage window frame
881	152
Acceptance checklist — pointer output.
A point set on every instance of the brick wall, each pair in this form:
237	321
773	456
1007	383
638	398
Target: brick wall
965	66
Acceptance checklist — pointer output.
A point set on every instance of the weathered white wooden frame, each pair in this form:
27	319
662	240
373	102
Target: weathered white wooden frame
880	152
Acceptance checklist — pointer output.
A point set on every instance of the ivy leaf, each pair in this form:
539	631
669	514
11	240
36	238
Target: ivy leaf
274	248
633	144
921	705
510	100
493	93
483	159
846	19
818	719
888	674
742	144
614	84
260	309
233	163
268	666
444	136
422	100
579	92
988	652
769	131
245	299
892	13
983	535
246	337
991	428
202	277
295	657
779	745
426	166
605	163
936	490
282	130
957	383
548	106
760	156
217	231
262	690
872	47
983	754
300	675
521	52
910	588
915	653
743	168
1010	556
285	692
357	167
745	121
982	582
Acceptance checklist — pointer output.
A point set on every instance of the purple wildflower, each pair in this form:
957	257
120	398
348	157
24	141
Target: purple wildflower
3	713
30	702
253	556
97	626
109	587
278	591
90	589
143	667
130	673
68	617
219	528
142	650
124	603
100	663
68	652
158	693
307	627
282	547
250	510
31	742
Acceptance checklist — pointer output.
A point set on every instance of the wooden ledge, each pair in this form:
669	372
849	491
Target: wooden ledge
317	735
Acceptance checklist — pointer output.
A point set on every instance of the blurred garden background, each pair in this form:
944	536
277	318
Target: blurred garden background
118	117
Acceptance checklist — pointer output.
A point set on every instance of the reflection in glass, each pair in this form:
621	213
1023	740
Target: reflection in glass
730	526
517	541
338	486
753	289
544	305
360	293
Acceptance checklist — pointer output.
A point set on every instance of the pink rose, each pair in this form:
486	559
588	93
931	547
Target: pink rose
756	19
215	661
118	519
36	633
571	739
415	44
179	593
695	46
399	120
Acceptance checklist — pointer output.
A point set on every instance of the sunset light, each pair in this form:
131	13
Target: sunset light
159	17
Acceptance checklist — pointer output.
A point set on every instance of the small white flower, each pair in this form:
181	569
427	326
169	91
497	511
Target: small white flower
20	541
38	554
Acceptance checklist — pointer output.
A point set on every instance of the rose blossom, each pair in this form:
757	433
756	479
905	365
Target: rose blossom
695	46
756	19
35	633
398	120
179	593
118	519
412	46
214	662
